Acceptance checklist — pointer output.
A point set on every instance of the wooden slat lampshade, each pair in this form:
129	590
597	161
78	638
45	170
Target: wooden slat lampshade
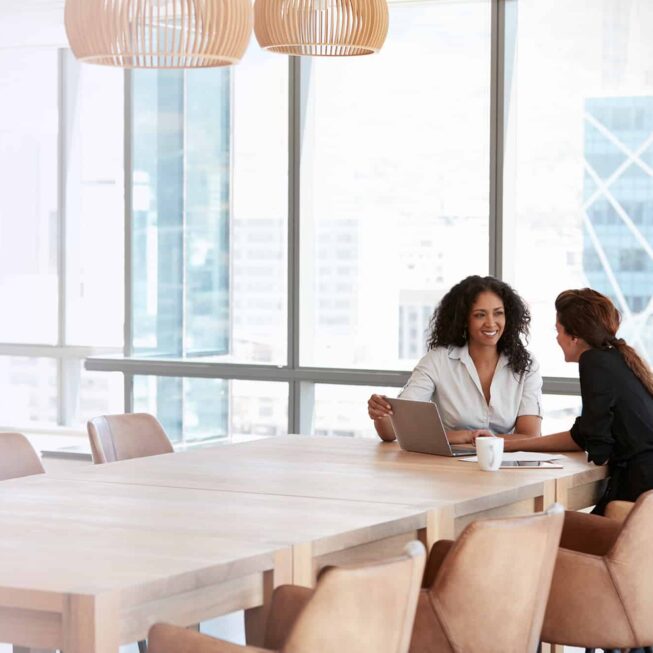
336	28
159	33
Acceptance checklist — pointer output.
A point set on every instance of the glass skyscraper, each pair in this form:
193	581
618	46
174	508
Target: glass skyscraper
618	203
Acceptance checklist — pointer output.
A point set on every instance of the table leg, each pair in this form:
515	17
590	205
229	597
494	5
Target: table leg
562	491
548	497
256	618
90	624
303	565
440	525
552	648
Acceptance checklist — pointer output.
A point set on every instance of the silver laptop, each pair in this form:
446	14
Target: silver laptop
419	428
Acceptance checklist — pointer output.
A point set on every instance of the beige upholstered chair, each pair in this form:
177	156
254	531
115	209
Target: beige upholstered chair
602	589
133	435
354	609
17	457
487	591
458	608
619	510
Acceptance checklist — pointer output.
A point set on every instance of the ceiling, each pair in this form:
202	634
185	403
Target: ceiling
31	22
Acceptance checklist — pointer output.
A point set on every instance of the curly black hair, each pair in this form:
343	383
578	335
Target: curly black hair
448	325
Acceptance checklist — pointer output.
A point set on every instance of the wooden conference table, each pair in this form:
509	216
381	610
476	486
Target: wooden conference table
91	558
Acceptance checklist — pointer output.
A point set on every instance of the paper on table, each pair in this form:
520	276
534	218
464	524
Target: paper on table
521	456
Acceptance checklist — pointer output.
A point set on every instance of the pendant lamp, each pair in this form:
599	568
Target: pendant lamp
159	33
332	28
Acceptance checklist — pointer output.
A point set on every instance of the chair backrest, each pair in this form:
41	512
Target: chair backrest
491	591
18	457
133	435
619	510
630	562
361	609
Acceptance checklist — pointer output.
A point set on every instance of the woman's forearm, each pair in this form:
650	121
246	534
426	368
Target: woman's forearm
527	426
520	436
556	442
384	428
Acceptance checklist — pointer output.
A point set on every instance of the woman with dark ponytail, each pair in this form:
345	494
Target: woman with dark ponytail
616	424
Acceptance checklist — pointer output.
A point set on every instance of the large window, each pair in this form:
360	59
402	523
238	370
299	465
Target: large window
394	169
509	138
61	237
579	174
195	410
290	223
180	249
94	205
29	200
259	210
342	410
208	239
209	212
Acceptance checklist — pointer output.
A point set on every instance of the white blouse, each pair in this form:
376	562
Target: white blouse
448	377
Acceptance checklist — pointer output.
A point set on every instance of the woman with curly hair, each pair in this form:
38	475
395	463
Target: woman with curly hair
616	385
477	369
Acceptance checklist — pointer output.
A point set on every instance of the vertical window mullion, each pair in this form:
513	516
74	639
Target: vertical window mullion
128	208
294	173
497	85
128	380
63	415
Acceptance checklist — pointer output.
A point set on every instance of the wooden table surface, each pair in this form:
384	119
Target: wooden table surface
90	558
353	470
94	508
138	554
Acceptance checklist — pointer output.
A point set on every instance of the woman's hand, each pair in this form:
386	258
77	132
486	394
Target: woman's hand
460	437
482	433
378	407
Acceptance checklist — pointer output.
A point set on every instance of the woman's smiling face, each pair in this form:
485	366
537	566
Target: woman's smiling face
487	320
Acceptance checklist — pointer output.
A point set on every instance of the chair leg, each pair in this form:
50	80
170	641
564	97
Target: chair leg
142	646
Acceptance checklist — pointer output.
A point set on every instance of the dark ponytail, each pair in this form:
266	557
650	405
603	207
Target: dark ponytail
639	367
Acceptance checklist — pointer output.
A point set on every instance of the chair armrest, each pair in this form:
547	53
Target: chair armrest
164	638
584	608
619	510
591	534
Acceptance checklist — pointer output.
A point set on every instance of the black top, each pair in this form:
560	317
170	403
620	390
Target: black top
616	423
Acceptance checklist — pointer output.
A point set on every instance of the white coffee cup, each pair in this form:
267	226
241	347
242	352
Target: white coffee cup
490	453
